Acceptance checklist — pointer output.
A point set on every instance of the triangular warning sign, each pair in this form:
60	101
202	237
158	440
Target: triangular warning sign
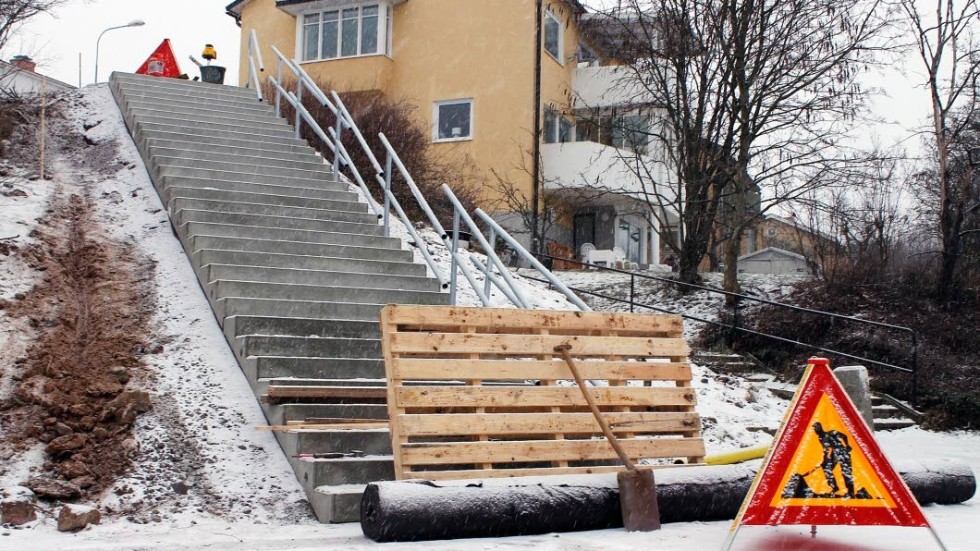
825	468
161	63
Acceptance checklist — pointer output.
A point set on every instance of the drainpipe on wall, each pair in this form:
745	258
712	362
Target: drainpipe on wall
536	147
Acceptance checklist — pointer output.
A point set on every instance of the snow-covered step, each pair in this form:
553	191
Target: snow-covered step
227	243
238	207
274	367
203	257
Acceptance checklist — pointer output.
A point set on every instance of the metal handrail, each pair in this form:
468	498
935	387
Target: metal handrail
911	369
255	52
383	176
734	327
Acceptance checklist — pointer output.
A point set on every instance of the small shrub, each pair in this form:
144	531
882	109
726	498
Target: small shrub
376	113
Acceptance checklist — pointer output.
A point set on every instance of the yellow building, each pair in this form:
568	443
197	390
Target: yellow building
486	82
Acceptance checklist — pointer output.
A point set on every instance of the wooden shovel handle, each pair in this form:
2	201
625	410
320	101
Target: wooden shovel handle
563	349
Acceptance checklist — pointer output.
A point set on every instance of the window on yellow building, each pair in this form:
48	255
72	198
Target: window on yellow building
553	36
453	120
348	32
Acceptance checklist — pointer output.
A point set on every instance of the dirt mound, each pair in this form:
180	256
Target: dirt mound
91	314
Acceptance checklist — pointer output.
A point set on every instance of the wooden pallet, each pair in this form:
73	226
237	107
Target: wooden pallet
518	411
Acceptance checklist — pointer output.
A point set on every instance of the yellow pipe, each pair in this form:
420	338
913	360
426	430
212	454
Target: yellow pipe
745	454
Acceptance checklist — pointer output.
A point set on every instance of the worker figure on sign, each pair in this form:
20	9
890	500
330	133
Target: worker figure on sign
836	451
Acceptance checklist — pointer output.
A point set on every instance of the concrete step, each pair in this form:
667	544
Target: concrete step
291	276
202	110
343	502
353	470
302	412
204	116
893	424
188	167
236	326
227	289
224	243
209	125
886	411
327	190
196	172
227	307
281	222
363	441
217	104
272	210
176	140
270	367
275	260
308	236
241	155
309	347
130	81
145	130
173	192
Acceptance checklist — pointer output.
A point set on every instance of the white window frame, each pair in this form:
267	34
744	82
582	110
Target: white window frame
548	14
435	120
384	39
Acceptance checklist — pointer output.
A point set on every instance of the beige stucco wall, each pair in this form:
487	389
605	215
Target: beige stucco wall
445	50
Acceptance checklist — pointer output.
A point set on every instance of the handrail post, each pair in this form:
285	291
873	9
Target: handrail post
452	271
387	208
915	369
492	239
278	93
339	137
299	99
632	291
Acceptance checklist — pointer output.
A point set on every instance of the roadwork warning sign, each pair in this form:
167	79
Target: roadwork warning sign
825	467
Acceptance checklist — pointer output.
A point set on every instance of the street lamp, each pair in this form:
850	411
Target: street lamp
134	23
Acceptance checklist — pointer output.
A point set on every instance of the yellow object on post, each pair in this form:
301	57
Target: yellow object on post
209	52
745	454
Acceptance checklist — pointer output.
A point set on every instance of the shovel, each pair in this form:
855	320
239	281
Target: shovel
637	489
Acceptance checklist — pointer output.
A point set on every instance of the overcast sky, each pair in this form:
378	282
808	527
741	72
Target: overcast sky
55	42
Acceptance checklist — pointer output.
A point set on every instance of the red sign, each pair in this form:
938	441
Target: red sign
161	63
825	467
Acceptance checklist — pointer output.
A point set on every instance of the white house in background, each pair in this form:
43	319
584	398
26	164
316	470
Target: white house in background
773	261
19	76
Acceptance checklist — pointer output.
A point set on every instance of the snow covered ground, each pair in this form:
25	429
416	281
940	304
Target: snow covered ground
241	493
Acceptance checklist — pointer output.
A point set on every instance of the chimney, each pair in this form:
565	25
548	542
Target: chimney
23	62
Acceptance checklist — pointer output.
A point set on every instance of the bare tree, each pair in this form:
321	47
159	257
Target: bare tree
944	36
755	97
14	13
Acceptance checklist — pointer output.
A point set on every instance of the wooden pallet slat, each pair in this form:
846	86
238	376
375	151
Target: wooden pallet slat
435	369
465	424
427	453
540	396
533	345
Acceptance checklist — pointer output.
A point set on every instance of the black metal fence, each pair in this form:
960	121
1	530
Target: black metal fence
735	327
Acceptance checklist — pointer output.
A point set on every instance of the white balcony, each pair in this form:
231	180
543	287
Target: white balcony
591	166
607	86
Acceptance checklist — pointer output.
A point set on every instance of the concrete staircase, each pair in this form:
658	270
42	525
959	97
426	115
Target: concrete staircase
295	268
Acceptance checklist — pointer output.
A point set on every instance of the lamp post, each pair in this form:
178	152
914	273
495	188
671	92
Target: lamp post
134	23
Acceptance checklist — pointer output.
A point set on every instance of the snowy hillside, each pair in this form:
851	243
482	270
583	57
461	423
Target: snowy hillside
202	477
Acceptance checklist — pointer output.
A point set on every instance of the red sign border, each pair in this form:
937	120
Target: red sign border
757	510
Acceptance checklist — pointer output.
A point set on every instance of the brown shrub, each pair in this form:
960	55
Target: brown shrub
374	114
